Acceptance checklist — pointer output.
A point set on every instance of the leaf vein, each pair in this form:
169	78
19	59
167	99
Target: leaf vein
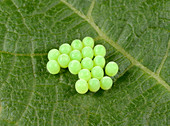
91	8
20	14
19	54
54	107
163	60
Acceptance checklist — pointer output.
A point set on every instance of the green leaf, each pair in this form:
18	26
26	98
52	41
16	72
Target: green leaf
136	35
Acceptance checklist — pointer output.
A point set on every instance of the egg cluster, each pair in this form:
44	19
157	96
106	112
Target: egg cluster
82	58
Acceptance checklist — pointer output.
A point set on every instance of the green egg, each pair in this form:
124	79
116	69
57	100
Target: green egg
106	83
99	50
97	72
74	67
87	52
53	54
111	69
77	44
76	55
88	41
94	84
81	86
63	60
87	63
99	61
53	67
65	48
84	74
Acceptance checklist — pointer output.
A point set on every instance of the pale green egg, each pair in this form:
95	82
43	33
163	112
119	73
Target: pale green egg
81	86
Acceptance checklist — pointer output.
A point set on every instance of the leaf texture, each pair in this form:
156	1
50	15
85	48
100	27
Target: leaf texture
136	36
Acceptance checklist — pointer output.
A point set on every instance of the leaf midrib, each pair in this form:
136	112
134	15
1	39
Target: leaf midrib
103	36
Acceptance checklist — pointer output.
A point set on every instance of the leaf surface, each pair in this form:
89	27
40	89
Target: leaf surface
136	36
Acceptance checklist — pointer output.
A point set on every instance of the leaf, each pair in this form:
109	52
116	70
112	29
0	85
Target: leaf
136	35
